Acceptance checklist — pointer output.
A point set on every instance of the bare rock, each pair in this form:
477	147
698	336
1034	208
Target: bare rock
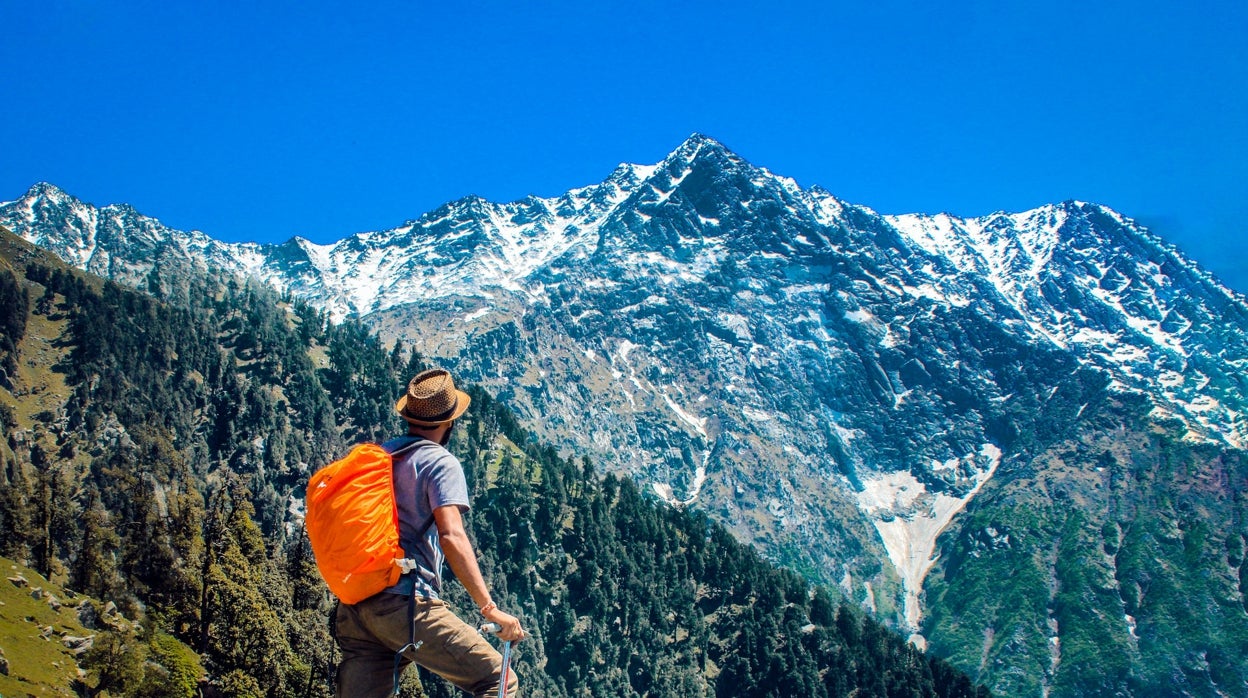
79	645
88	616
19	581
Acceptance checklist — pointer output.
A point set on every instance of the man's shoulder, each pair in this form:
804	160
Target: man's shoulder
401	443
413	448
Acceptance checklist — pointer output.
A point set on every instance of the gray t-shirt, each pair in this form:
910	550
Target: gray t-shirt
426	476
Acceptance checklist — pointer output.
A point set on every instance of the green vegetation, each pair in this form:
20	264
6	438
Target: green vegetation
1110	564
164	473
14	307
35	663
47	633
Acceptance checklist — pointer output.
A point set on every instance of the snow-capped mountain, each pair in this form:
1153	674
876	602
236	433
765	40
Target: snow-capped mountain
834	384
1090	280
116	242
1079	276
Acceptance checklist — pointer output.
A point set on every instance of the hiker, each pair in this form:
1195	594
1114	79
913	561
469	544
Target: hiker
432	496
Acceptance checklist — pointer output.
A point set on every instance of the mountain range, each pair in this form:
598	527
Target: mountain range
908	407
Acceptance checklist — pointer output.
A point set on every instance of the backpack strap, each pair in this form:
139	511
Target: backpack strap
408	564
406	448
412	643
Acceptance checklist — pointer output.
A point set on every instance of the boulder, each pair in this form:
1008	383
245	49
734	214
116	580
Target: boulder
79	645
88	616
18	581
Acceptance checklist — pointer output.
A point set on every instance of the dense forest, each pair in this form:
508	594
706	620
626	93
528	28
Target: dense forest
155	447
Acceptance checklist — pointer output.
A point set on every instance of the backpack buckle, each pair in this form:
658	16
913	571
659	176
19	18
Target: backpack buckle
406	564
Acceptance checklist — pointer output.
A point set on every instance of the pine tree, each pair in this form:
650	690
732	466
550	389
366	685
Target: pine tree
14	308
245	635
95	571
115	662
17	508
184	582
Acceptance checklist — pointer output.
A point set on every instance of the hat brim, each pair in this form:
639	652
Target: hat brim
461	406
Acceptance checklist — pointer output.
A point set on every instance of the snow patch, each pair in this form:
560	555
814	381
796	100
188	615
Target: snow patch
667	494
698	423
909	519
476	315
861	316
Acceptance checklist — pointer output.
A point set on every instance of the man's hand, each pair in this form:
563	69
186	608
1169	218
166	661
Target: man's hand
509	625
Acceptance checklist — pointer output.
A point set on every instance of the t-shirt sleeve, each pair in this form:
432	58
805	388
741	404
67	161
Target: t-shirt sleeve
446	483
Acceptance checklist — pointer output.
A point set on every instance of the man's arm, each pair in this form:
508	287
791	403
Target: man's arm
463	562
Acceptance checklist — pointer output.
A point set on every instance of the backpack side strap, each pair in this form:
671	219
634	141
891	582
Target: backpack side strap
407	564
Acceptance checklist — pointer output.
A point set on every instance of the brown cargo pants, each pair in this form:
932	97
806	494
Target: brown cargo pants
372	631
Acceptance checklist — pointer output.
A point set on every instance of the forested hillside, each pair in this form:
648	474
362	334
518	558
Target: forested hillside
154	453
1130	542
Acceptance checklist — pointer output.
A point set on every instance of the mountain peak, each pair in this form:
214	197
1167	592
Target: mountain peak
696	139
706	155
49	191
698	146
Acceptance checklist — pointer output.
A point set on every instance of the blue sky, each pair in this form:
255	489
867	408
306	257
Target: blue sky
259	121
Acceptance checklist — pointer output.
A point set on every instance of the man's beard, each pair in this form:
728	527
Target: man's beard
446	436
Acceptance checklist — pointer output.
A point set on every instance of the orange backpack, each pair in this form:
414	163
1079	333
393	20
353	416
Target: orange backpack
353	523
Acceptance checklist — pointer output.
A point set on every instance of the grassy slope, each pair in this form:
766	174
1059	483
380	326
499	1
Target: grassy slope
38	386
37	665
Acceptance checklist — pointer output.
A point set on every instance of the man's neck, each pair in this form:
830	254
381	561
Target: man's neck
435	434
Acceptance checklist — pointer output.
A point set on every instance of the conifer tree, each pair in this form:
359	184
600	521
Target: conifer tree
17	515
184	581
246	637
14	308
115	662
95	571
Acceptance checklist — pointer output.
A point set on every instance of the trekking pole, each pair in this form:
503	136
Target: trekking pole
502	677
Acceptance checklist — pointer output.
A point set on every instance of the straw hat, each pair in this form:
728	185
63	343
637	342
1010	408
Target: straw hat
432	399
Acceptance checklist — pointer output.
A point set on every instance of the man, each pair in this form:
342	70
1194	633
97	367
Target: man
432	496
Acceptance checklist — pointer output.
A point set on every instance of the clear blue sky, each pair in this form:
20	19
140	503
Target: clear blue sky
259	121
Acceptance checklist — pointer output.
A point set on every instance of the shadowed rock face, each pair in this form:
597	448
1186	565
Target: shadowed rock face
835	385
